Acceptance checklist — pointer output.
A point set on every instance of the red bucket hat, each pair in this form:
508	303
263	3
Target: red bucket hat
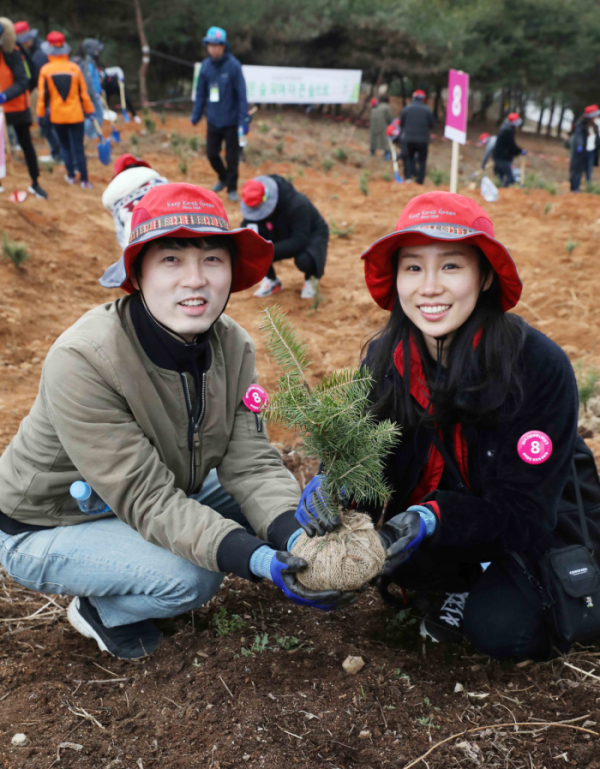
514	119
419	94
184	211
592	110
439	216
123	162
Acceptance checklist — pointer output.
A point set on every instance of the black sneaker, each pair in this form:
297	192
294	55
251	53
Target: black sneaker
219	186
36	190
443	623
127	642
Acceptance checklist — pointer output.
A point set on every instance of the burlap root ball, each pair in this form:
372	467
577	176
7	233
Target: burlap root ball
345	559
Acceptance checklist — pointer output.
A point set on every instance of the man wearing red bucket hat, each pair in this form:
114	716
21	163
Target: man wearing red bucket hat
140	402
488	410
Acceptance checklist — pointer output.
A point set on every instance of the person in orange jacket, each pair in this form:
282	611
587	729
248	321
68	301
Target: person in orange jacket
14	100
62	88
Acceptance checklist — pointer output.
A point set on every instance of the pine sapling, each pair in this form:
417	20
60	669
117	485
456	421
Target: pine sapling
337	428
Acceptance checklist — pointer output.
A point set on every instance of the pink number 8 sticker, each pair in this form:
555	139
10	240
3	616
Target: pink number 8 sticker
256	398
534	447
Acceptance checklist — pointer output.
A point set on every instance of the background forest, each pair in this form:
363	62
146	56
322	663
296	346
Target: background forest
542	50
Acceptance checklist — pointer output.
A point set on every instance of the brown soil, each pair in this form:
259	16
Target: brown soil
272	692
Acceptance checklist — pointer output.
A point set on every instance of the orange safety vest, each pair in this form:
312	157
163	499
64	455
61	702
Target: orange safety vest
19	103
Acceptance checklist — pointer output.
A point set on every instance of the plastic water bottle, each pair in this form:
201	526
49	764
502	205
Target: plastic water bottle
89	502
241	136
489	191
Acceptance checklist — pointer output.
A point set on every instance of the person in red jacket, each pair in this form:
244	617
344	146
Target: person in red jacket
14	100
62	88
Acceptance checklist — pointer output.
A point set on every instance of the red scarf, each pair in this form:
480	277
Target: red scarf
433	470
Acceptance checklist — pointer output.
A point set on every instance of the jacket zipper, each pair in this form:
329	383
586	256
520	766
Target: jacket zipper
188	401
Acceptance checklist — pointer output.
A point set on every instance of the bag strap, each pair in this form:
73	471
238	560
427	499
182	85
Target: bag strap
582	519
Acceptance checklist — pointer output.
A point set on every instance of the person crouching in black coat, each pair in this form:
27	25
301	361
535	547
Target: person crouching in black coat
278	212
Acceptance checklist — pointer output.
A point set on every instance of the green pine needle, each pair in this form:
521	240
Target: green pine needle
332	418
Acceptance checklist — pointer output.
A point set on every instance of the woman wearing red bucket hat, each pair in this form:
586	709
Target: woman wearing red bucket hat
488	409
148	414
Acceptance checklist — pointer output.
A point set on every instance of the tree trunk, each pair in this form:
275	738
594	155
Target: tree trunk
403	90
563	109
542	110
145	52
549	127
437	101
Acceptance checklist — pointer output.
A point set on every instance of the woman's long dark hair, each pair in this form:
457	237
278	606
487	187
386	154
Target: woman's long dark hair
480	381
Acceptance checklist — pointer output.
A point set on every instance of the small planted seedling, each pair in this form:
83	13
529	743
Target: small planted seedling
225	624
587	379
341	232
571	245
149	123
193	142
341	154
327	165
363	183
279	147
14	250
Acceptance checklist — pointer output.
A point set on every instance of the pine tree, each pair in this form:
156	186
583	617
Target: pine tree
332	418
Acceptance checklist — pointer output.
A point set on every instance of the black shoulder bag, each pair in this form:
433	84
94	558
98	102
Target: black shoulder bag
569	583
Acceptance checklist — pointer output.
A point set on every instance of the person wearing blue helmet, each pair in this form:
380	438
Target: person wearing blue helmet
221	90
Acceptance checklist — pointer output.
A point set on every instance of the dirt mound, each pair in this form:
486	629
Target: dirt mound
252	680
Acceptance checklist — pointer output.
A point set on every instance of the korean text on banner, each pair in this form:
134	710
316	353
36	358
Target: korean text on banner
300	85
457	107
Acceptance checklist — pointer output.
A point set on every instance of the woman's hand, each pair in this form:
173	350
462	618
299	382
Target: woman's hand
400	537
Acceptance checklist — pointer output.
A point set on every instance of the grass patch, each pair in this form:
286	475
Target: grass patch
193	142
363	183
341	155
536	182
134	140
592	188
327	165
279	147
149	123
263	127
14	250
224	623
571	245
587	379
340	232
438	176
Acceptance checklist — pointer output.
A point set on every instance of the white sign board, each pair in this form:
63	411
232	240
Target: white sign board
301	85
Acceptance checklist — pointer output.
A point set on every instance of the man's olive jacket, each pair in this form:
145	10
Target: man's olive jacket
106	414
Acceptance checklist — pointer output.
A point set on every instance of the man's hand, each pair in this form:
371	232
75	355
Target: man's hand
313	514
400	537
283	573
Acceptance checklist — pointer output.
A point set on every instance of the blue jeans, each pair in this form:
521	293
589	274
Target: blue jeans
50	136
125	577
73	153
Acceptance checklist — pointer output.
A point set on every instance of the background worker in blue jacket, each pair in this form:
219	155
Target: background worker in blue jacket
222	90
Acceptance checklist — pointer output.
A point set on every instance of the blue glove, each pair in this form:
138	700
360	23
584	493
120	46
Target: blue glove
281	567
3	98
579	149
403	534
283	573
313	514
523	152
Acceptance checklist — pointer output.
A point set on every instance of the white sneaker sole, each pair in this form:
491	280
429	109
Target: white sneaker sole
81	626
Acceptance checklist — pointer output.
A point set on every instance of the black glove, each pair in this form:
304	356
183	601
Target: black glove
283	573
400	537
